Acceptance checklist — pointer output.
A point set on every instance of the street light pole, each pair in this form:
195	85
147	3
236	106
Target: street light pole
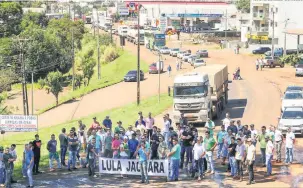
273	33
159	80
286	22
32	93
138	58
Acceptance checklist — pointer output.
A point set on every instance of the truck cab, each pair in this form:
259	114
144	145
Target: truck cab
202	94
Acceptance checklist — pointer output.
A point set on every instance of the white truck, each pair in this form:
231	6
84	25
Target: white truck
123	30
201	95
132	36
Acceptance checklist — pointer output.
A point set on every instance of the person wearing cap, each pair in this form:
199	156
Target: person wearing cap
129	132
250	160
210	125
289	144
107	122
132	146
118	129
95	125
7	160
2	169
175	160
262	140
37	150
269	154
149	122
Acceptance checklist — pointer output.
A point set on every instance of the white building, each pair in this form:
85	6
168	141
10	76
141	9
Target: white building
279	16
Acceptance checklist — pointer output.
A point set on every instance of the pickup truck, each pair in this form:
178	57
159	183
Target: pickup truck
271	63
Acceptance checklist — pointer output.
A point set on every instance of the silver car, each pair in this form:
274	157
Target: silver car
299	70
185	57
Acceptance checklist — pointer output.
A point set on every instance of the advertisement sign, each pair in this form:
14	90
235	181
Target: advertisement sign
123	11
163	23
195	15
18	123
132	167
132	7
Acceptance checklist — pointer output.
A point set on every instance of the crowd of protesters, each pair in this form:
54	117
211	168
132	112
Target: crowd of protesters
234	144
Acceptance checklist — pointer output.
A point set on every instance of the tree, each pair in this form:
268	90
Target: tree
54	81
7	78
87	64
10	16
243	5
33	18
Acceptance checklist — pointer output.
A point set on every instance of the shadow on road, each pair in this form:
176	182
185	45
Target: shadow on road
236	107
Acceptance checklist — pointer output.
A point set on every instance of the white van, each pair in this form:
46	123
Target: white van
123	30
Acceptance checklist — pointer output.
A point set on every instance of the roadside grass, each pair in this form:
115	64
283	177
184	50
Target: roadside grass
128	114
111	73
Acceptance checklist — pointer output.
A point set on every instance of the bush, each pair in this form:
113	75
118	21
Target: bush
41	83
292	59
110	54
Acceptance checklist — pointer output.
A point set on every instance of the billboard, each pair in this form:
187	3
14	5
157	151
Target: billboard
123	11
18	123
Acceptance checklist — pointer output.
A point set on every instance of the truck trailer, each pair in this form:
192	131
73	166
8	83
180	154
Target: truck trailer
132	36
202	94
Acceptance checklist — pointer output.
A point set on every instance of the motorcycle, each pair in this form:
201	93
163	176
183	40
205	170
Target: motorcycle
236	74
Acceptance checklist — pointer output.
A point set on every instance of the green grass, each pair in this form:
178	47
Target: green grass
18	86
111	73
127	114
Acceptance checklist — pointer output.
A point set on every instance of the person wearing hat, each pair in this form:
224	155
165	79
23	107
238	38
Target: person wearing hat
210	125
107	122
2	169
269	154
250	160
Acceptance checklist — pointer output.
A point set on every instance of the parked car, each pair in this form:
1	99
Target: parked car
294	88
180	54
261	50
154	67
191	59
268	61
202	53
174	51
164	50
131	76
292	98
198	63
291	117
185	57
299	70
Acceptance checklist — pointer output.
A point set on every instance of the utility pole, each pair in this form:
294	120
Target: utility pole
286	22
111	33
98	48
73	59
226	28
159	79
32	93
273	33
138	58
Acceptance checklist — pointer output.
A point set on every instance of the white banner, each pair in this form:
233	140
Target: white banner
132	167
18	123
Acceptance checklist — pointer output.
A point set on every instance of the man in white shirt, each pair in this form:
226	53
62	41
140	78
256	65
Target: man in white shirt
166	129
269	152
129	132
240	156
199	155
290	140
254	134
226	121
149	123
278	144
250	159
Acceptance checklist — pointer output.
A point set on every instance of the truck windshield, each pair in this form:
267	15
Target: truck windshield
292	115
190	91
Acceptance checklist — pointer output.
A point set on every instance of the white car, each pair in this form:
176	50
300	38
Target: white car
292	99
291	117
191	59
180	54
299	70
198	63
164	50
185	57
174	52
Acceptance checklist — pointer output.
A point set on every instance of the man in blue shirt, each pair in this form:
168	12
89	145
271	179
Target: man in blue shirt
107	122
52	148
29	163
72	148
132	146
143	153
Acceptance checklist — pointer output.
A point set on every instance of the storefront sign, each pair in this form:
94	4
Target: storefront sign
195	15
256	37
163	24
18	123
123	11
132	167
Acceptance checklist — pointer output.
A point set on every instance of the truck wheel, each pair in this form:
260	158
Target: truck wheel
271	66
282	65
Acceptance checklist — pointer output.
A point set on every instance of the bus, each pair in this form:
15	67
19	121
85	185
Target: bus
154	39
